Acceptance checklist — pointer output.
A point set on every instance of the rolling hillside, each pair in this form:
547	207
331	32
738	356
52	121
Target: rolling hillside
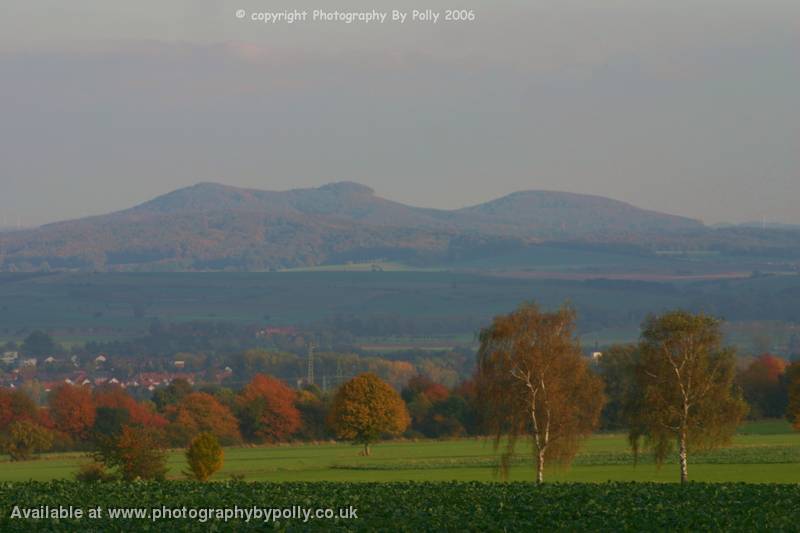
215	227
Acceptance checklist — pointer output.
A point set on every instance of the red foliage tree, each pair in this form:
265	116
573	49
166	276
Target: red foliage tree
6	416
762	386
16	406
266	409
436	393
72	410
422	396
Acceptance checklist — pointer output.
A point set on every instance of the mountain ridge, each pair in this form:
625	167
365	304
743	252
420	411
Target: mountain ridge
211	226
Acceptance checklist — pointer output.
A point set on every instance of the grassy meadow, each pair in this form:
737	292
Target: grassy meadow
762	452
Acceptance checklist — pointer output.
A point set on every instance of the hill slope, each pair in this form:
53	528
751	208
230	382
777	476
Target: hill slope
212	226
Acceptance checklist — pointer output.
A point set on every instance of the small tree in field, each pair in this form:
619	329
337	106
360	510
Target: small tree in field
685	386
533	382
366	408
205	456
137	452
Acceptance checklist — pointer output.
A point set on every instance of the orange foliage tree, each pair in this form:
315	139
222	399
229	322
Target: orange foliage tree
197	413
266	409
72	410
15	406
366	408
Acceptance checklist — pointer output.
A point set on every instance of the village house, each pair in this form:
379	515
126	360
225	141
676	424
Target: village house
9	357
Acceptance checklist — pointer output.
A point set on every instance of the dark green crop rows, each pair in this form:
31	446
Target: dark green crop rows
424	506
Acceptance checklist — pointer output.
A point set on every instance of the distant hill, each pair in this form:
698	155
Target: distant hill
558	215
212	227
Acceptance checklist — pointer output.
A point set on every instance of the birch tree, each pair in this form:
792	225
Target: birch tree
533	383
685	385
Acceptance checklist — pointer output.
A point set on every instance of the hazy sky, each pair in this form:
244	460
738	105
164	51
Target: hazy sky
689	107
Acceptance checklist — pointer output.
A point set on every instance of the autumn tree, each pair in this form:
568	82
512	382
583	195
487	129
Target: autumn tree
313	407
72	410
792	380
434	412
366	408
204	456
139	413
763	387
534	383
199	412
16	405
138	453
447	418
685	380
266	410
23	438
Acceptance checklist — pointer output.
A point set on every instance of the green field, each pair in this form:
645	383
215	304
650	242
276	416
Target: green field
434	486
762	452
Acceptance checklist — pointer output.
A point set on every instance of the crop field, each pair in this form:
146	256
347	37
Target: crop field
457	506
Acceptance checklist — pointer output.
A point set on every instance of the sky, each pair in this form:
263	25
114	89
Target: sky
686	107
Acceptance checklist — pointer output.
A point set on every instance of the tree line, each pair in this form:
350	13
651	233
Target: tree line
675	391
130	437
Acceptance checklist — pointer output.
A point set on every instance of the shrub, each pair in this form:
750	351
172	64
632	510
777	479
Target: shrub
93	472
205	456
